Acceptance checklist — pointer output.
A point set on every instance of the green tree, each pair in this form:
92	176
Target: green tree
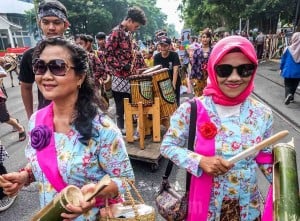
262	14
92	16
155	18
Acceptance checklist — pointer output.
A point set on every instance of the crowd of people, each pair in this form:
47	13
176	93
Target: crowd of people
72	140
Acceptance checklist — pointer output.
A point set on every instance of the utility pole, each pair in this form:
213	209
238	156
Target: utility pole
240	26
36	5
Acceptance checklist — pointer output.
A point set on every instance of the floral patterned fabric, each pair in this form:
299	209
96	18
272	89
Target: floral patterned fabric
119	48
80	165
199	71
200	59
235	134
98	65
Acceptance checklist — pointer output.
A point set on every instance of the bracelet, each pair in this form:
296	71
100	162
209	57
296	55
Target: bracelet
30	175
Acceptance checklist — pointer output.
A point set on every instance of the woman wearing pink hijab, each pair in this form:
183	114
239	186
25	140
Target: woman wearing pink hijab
228	122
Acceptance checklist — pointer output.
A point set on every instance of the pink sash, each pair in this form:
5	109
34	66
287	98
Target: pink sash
47	157
264	158
200	188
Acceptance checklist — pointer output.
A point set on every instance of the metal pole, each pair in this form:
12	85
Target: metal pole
240	26
36	4
296	16
247	26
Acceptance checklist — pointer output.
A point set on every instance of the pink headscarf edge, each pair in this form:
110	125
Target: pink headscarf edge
222	48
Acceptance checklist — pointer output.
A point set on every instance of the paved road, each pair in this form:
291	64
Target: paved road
148	183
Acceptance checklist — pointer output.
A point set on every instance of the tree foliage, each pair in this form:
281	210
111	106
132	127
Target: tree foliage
262	14
92	16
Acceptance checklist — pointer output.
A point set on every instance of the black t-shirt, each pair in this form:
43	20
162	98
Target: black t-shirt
27	76
168	62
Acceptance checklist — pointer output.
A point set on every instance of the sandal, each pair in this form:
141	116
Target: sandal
22	135
14	128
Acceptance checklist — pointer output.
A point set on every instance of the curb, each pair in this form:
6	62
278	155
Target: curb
283	116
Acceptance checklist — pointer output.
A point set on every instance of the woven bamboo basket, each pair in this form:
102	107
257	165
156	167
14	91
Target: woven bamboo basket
131	201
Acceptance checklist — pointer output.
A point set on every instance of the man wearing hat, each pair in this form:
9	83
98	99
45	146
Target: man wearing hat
169	59
52	20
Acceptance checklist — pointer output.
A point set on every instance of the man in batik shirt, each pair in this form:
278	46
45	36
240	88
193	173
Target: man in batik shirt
122	59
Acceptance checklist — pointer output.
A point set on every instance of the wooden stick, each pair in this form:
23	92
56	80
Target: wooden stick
259	146
104	182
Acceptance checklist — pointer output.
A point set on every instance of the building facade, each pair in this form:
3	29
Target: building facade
13	26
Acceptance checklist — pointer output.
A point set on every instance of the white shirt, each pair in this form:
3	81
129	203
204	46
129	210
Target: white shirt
228	111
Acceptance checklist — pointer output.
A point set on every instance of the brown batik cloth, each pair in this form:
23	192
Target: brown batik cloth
199	84
230	211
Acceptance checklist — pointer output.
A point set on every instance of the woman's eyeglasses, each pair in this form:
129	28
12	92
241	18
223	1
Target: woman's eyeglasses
57	67
244	70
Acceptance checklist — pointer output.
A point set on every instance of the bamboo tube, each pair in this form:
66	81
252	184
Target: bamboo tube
69	195
259	146
286	198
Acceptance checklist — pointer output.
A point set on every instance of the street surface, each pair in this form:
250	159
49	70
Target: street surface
269	88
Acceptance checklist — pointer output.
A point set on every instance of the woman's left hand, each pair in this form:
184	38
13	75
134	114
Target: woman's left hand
84	206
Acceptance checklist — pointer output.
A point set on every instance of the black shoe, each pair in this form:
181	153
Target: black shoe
288	99
123	131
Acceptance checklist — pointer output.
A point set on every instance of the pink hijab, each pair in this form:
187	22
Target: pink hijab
223	47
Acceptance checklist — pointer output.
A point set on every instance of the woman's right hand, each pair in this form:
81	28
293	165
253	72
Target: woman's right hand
215	165
13	182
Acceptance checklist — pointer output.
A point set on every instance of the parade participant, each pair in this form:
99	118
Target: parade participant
86	41
52	20
149	60
4	115
10	64
290	68
80	142
77	39
199	66
5	201
259	42
121	58
157	49
97	68
169	59
103	78
229	121
184	60
101	41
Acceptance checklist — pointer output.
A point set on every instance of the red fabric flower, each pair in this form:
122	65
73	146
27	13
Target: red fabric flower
208	130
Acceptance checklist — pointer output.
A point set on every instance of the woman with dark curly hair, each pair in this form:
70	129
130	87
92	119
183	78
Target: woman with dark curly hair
72	140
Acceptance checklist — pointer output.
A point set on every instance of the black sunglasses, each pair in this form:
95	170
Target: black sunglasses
57	67
244	70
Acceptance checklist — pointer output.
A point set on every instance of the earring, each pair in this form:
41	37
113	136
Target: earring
79	86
